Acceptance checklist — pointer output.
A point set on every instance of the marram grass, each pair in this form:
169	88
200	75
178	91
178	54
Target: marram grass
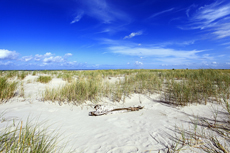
25	137
7	89
44	79
177	87
206	135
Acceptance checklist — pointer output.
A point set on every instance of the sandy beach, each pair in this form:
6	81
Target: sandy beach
151	129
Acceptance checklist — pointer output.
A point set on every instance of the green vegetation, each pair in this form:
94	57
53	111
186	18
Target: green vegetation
21	75
177	87
11	74
7	89
66	77
28	138
196	86
44	79
34	73
91	86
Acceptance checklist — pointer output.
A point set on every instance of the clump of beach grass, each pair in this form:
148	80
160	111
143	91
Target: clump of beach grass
11	74
21	75
66	77
185	87
44	79
77	92
7	89
207	135
34	73
28	137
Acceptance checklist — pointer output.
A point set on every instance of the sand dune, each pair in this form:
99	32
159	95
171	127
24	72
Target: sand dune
148	130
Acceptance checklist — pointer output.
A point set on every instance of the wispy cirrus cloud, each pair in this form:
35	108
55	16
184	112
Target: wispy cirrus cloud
133	34
101	10
154	51
160	13
215	17
6	54
78	17
6	63
68	54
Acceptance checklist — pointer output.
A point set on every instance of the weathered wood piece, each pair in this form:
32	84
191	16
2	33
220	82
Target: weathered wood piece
103	110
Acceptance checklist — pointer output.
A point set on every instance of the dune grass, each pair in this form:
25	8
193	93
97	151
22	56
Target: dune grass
44	79
91	86
7	89
22	74
206	135
28	138
177	87
196	86
77	92
34	73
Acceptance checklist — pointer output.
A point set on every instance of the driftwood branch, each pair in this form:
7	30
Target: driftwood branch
101	110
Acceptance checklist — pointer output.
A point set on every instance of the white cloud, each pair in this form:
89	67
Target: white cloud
6	63
6	54
228	63
188	10
162	12
68	54
48	54
157	52
128	63
53	59
207	57
138	63
78	17
38	57
214	62
214	17
133	34
27	58
222	30
103	11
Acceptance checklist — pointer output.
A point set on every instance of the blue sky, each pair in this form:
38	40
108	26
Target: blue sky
114	34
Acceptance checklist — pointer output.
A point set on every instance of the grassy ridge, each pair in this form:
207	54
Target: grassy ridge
90	86
178	87
196	86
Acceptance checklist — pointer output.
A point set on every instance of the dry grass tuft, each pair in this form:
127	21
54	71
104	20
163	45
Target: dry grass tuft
44	79
7	89
28	138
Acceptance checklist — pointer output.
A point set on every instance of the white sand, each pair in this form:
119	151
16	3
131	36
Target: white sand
147	130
